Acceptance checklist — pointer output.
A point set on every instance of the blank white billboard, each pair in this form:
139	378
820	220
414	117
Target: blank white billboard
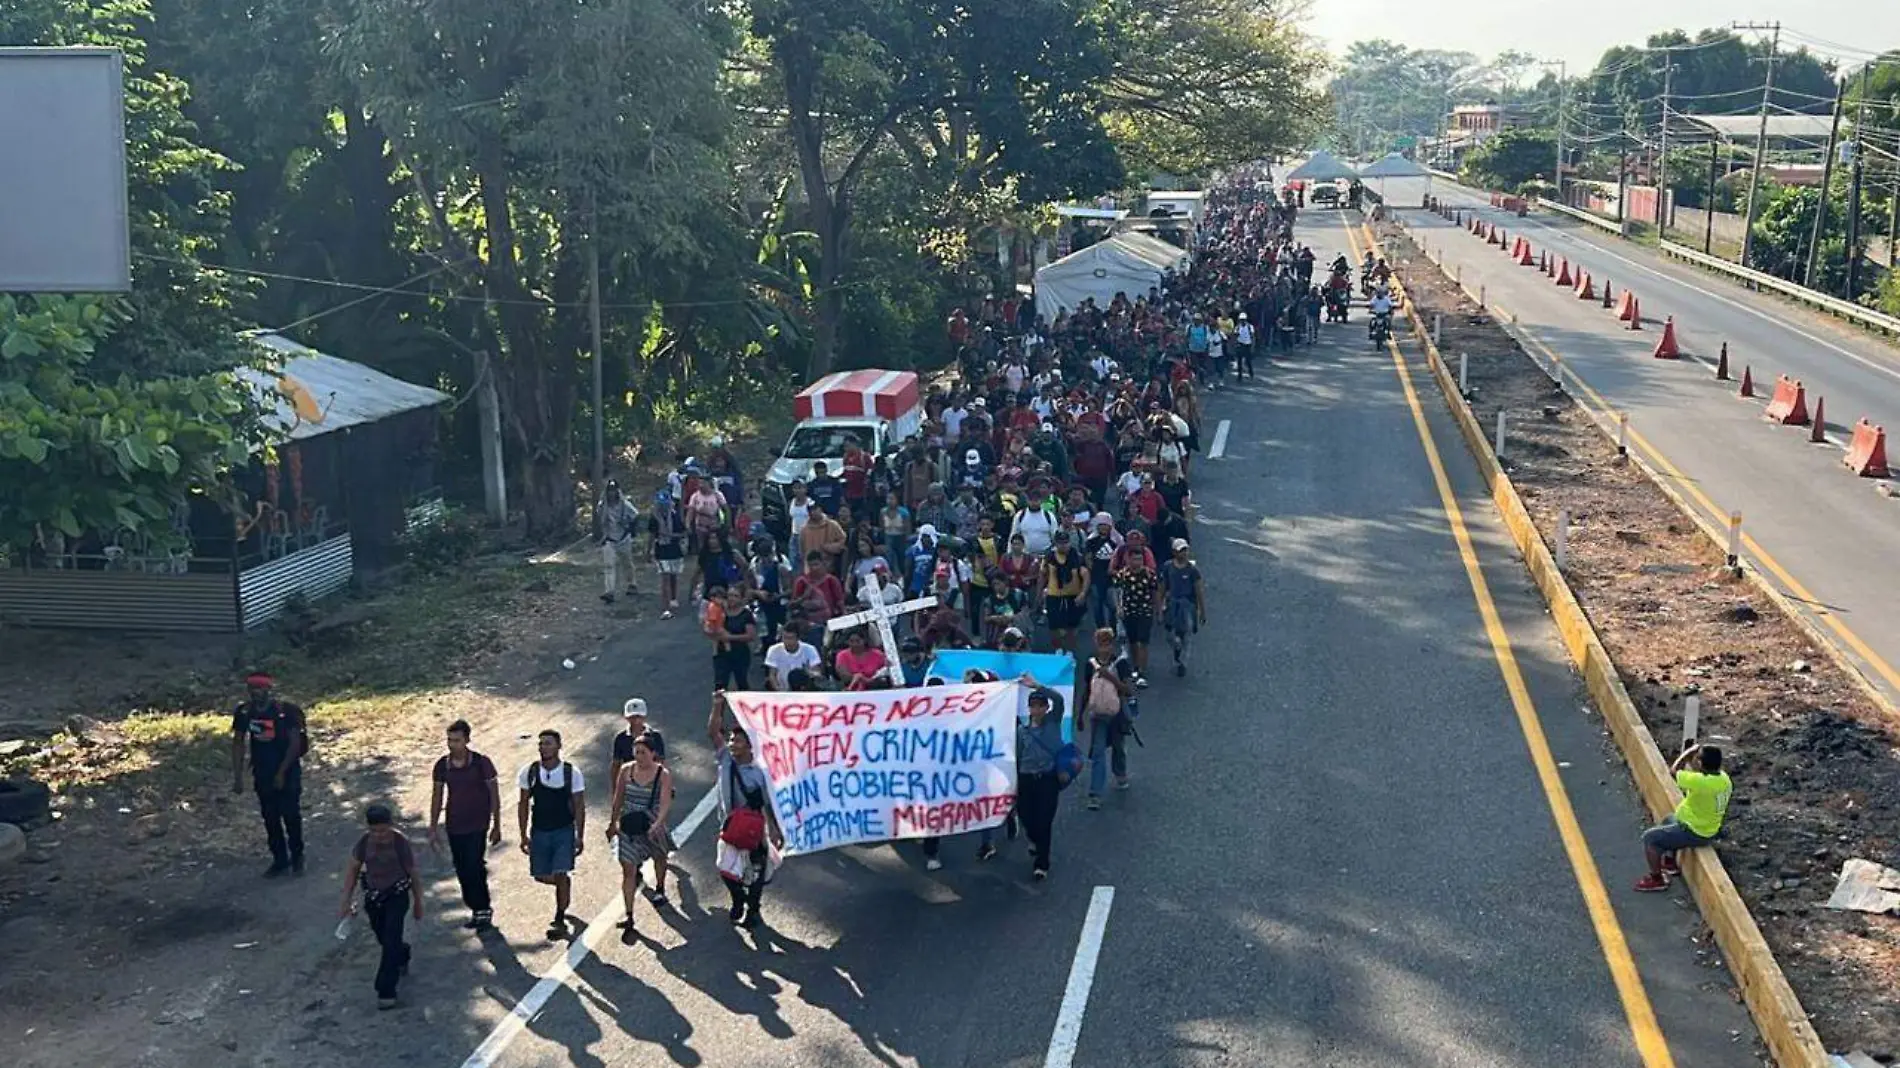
63	226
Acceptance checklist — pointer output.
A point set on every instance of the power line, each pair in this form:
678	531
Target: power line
399	290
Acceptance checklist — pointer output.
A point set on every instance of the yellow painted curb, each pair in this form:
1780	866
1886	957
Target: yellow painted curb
1771	1001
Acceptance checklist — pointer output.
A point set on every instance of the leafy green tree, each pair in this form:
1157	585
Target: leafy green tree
1511	159
1000	90
84	451
1205	84
528	130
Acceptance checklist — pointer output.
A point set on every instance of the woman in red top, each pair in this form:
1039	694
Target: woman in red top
858	665
1020	569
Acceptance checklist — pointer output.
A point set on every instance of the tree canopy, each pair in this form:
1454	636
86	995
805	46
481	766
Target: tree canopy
766	188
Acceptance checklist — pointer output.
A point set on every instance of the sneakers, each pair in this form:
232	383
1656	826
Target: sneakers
277	868
1650	884
385	1004
933	864
736	915
1095	803
658	897
1670	867
606	598
985	851
480	921
1141	682
668	614
557	929
296	865
1039	874
629	936
1121	782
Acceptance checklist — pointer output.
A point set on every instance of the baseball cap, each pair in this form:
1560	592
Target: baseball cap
635	706
1012	632
1180	544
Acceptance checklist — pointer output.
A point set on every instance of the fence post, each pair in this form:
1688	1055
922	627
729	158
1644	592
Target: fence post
1464	390
1499	447
1735	542
1622	435
1563	540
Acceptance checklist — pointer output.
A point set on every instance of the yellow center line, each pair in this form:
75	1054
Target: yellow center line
1615	946
1795	589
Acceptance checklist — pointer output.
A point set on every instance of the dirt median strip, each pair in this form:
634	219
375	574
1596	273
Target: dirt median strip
1631	579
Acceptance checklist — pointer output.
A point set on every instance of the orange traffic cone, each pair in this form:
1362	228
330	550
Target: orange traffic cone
1818	432
1666	344
1524	255
1606	293
1748	382
1626	310
1636	312
1563	273
1721	365
1585	290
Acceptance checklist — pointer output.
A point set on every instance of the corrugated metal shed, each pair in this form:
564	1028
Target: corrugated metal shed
345	393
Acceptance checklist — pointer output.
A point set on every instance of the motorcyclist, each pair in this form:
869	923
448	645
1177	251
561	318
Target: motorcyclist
1381	307
1342	265
1382	273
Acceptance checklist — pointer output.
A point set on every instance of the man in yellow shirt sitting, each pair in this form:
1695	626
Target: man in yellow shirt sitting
1697	820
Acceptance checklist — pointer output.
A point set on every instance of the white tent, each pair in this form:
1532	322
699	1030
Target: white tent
1126	263
1322	166
1398	182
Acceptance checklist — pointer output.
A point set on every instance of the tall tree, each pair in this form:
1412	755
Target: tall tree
1008	87
527	129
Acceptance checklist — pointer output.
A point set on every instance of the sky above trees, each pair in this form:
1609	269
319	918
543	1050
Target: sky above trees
1485	28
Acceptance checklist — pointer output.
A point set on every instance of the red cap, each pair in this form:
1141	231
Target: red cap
258	678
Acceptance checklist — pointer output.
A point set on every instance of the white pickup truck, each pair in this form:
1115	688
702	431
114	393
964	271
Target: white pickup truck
881	410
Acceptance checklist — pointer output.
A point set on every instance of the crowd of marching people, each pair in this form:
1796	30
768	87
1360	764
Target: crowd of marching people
1046	506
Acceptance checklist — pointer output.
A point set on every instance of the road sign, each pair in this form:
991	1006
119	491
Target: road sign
63	213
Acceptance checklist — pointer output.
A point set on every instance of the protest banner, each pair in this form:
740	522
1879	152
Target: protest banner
875	765
1053	670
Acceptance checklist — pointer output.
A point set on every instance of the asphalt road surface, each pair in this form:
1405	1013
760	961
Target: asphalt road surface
1825	537
1338	849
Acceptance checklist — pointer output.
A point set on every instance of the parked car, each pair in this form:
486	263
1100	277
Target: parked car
1325	195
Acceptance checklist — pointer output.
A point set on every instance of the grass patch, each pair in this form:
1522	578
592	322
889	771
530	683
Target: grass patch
388	650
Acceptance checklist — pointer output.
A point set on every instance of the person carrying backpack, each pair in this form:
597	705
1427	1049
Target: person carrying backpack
385	864
1106	683
553	816
747	824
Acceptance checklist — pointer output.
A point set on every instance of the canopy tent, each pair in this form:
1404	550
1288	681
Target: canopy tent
1126	263
1322	166
1398	182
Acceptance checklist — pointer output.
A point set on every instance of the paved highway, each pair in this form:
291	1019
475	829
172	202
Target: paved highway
1824	536
1370	828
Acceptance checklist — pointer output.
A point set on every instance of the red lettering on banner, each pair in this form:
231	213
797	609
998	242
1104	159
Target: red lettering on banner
950	817
799	717
787	758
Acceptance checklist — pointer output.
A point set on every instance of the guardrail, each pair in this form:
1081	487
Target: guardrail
1578	213
1758	280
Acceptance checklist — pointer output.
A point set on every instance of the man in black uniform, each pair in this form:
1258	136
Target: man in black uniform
273	731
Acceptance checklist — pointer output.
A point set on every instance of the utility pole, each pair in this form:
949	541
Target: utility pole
1563	95
1827	176
1662	153
1853	190
1761	134
1708	206
593	316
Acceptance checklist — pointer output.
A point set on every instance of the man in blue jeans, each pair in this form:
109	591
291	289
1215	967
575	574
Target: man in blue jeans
1104	689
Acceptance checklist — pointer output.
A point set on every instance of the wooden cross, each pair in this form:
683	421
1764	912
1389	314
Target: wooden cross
880	616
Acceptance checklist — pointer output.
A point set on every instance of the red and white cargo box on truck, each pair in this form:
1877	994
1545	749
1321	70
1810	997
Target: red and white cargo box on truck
880	409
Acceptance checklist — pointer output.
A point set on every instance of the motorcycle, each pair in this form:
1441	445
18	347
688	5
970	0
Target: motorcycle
1338	301
1380	329
1365	281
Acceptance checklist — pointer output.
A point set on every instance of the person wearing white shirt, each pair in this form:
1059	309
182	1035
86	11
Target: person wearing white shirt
791	654
1382	303
1038	528
1243	347
1013	376
953	418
